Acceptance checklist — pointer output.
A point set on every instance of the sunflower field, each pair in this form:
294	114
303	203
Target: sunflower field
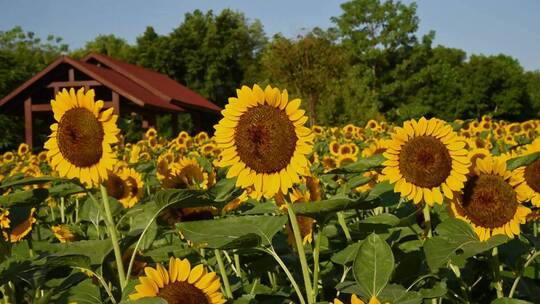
271	210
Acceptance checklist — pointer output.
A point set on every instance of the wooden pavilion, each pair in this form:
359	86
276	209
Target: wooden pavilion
127	88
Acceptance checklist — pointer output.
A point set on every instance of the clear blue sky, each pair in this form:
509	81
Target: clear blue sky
478	26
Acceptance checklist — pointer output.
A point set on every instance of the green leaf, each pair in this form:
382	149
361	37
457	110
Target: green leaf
347	255
95	250
509	301
141	220
184	198
373	265
361	165
456	241
33	181
517	162
233	232
394	293
224	190
321	209
33	196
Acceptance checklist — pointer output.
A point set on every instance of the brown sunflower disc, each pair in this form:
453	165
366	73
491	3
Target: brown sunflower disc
425	162
489	201
265	139
80	137
182	293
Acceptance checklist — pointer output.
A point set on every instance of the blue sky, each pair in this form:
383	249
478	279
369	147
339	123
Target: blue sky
479	26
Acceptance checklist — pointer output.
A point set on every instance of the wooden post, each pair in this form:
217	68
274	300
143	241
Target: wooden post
116	102
28	122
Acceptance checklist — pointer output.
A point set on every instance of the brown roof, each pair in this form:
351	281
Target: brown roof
155	82
143	87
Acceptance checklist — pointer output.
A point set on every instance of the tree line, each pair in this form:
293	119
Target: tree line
371	64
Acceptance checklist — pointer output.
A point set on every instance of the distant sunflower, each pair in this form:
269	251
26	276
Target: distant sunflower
23	150
264	140
489	202
63	233
527	179
356	300
150	133
80	143
334	147
425	160
180	284
8	157
125	185
186	173
22	229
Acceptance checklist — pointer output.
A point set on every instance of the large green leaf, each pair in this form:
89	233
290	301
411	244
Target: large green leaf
373	264
95	250
33	196
33	181
233	232
347	255
141	220
456	241
525	160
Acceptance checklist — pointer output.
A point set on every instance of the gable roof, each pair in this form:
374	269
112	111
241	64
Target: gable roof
141	86
155	82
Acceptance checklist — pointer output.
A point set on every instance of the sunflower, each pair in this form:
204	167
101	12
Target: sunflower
125	185
4	218
150	133
186	173
23	150
80	143
356	300
63	233
527	179
377	147
334	147
22	229
489	201
264	140
477	153
344	160
180	284
426	159
8	157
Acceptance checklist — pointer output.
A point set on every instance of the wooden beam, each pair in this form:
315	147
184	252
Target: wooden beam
80	83
116	102
44	107
28	122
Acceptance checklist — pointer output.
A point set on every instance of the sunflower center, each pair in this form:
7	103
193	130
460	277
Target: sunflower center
182	293
532	175
132	186
425	161
80	137
115	186
265	139
489	201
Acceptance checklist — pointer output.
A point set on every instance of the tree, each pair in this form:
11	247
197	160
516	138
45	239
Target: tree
307	65
211	54
494	85
107	45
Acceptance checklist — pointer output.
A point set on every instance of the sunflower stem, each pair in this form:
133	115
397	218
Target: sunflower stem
496	265
223	273
301	252
273	253
529	260
427	221
343	224
62	210
238	266
76	210
114	238
316	266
